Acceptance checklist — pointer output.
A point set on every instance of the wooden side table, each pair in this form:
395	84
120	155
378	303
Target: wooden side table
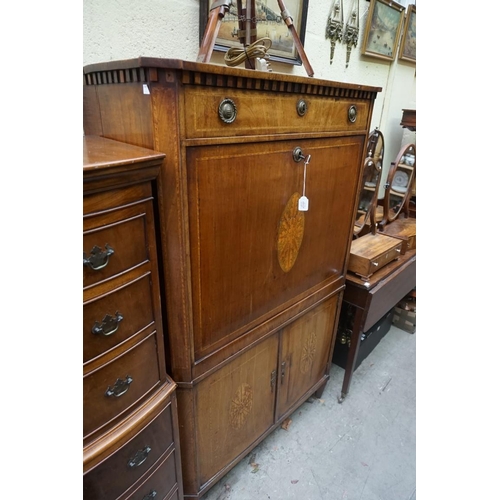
372	299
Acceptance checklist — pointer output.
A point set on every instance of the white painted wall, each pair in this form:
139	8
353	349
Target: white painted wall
122	29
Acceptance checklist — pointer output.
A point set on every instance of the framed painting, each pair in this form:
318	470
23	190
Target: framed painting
383	29
408	46
269	24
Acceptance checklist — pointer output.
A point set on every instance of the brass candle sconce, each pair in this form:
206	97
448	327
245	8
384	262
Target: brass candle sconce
337	32
335	26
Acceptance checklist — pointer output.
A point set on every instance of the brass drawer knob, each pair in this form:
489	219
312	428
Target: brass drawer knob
227	111
352	113
301	107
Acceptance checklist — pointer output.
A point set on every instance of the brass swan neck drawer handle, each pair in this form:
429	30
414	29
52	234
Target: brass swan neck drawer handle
108	325
98	258
139	458
120	387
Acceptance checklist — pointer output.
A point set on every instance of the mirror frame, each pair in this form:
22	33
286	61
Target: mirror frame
371	162
405	200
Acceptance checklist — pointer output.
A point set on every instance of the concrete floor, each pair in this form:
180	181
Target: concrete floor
362	449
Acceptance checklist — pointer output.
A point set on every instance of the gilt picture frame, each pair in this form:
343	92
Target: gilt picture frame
408	45
383	29
269	23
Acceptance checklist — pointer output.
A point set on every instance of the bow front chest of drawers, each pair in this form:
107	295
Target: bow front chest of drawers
252	285
130	425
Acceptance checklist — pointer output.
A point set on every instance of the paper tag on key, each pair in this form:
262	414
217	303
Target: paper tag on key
303	204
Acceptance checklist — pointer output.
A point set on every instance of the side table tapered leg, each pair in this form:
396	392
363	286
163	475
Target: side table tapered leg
352	355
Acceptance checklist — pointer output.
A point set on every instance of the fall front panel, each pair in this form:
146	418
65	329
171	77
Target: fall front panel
252	250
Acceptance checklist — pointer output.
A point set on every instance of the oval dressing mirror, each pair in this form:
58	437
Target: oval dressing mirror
399	185
370	183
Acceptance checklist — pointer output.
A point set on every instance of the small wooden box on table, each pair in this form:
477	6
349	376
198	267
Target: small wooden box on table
130	426
372	252
373	299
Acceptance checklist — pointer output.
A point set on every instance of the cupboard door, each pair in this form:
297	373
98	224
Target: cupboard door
304	353
252	251
235	406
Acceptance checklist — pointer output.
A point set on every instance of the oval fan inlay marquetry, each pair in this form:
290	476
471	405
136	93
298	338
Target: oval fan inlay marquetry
241	405
308	353
290	233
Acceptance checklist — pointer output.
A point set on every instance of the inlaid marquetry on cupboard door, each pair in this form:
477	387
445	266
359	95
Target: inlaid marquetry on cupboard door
305	347
235	406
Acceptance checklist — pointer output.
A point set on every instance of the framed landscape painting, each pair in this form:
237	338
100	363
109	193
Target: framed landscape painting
408	47
383	29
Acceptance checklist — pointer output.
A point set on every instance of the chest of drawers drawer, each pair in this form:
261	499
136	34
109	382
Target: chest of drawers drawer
161	484
119	385
114	243
114	317
147	451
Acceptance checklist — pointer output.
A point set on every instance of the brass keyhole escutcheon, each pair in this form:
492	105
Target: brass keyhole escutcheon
352	114
298	155
227	111
301	107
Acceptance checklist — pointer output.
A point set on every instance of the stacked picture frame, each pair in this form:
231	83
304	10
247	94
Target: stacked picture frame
390	31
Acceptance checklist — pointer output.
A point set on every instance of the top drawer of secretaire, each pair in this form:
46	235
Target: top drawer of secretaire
215	101
241	112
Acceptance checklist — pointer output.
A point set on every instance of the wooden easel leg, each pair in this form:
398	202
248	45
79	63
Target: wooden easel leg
217	13
298	44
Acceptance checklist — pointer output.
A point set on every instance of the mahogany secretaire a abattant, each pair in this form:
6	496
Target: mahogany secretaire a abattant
256	205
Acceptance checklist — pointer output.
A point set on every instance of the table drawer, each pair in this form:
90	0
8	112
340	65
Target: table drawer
128	464
114	248
114	388
160	484
384	259
114	317
268	113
